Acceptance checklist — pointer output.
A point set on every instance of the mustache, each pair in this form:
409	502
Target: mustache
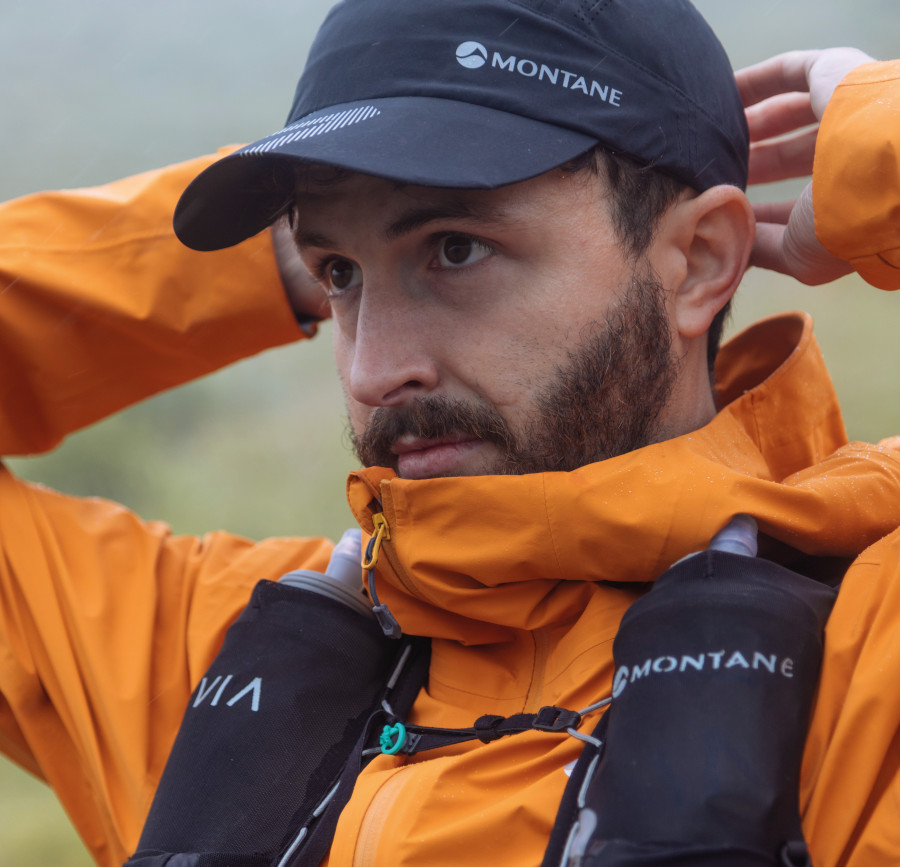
429	417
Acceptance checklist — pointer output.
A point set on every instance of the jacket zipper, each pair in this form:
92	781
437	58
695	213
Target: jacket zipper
382	536
535	697
374	819
382	539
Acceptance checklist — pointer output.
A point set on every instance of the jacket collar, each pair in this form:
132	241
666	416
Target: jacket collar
470	558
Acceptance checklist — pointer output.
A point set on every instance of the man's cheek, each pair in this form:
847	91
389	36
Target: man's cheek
358	417
342	349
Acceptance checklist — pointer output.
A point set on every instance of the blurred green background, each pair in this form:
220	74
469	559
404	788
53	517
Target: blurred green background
102	88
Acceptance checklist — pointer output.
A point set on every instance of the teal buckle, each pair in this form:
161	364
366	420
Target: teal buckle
389	746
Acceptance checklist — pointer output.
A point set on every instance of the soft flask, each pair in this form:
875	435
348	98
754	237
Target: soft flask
697	762
268	730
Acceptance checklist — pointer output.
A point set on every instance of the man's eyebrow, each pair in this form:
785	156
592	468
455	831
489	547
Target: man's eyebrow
452	209
312	239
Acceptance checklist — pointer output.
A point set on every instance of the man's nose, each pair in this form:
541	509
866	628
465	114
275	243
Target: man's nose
393	352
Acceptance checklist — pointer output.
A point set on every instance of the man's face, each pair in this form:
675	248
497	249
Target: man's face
487	331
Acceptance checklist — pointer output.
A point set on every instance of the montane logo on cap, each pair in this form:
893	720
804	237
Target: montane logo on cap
473	55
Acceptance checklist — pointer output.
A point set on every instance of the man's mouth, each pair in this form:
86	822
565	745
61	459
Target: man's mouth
420	458
434	436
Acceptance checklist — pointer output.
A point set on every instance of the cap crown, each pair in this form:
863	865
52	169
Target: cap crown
483	93
646	77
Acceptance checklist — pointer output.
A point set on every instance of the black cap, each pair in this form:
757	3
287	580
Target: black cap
483	93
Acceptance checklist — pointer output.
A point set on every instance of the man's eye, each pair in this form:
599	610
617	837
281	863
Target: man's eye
342	274
456	250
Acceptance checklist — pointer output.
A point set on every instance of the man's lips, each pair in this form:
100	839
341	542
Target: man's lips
419	458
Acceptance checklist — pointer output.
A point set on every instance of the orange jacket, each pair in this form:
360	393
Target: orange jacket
107	623
856	178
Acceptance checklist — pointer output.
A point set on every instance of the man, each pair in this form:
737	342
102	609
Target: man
514	329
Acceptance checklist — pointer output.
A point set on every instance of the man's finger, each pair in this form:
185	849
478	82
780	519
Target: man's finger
306	296
779	115
775	250
784	73
789	157
777	213
768	248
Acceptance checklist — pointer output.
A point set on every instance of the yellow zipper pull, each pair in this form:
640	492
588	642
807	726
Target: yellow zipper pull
386	620
382	532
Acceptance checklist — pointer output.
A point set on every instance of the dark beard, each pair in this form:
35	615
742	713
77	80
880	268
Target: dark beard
604	400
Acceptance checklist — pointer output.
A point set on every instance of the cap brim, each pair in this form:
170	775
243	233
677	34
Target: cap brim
416	140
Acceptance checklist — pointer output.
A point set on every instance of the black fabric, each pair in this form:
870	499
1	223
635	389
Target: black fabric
716	669
624	853
195	859
267	732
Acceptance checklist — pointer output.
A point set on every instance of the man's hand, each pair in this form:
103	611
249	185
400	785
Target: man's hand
305	295
784	96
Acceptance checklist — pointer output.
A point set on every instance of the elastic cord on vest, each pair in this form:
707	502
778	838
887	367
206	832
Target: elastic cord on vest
402	738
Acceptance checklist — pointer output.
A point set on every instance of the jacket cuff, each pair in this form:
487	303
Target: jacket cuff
881	270
856	175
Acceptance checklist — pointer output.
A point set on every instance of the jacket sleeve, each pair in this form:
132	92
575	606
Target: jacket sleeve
107	622
856	176
101	305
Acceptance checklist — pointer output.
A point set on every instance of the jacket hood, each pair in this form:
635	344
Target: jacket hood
470	558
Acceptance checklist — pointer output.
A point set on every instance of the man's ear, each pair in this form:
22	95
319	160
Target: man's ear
705	244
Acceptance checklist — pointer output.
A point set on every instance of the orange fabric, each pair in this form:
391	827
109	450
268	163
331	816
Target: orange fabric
106	622
856	177
99	274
